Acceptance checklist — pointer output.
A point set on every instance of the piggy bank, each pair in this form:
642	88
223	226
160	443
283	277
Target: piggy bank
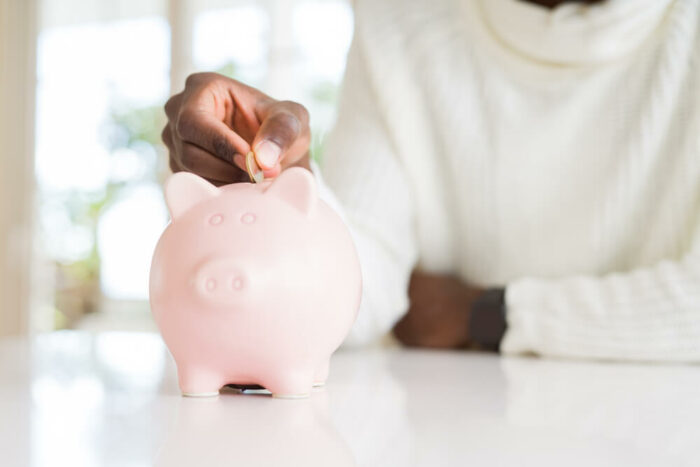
253	284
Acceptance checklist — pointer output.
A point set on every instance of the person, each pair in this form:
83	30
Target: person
521	176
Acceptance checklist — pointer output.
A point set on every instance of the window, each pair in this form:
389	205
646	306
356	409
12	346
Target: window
103	76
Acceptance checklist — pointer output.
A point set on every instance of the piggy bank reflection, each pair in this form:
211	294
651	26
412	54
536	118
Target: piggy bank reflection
253	283
254	430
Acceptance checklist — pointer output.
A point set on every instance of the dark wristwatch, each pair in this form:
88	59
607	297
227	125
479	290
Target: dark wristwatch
487	320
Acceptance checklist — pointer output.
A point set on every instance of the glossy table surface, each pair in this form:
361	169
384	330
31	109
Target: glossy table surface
111	399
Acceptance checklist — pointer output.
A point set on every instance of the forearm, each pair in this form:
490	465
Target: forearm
386	258
364	180
650	314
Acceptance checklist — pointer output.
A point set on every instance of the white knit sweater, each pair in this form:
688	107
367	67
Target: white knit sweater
556	152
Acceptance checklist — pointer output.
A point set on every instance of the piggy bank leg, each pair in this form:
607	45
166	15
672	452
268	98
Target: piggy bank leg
198	382
290	383
321	374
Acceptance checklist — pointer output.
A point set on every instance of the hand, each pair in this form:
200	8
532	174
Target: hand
216	121
439	312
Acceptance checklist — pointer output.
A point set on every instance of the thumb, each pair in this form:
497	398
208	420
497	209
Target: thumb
283	135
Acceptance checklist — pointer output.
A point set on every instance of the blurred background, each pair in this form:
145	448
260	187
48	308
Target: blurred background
82	88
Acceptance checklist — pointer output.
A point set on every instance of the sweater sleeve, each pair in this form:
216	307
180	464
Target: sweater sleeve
647	314
361	178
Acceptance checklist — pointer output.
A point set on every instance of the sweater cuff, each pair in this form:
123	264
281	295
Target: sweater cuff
523	301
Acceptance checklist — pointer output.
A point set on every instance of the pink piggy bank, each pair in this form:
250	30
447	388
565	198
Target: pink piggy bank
253	284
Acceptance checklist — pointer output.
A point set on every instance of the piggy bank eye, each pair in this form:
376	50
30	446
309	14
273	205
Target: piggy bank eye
216	219
248	218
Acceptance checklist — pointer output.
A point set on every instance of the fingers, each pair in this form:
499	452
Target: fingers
283	137
216	121
189	157
211	134
173	106
195	159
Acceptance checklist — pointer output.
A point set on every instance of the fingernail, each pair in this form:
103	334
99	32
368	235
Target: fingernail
267	153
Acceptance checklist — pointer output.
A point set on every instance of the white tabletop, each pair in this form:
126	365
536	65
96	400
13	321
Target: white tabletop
111	399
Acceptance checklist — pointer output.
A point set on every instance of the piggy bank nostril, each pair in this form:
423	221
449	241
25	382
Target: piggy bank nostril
248	218
210	284
237	283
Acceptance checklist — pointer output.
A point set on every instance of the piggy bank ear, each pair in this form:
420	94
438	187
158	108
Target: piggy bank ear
297	187
183	190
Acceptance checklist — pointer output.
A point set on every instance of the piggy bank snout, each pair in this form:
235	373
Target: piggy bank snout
220	280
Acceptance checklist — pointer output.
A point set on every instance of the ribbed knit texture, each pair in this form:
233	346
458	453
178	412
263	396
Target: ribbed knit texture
564	164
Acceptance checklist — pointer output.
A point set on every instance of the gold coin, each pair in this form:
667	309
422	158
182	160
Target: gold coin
250	166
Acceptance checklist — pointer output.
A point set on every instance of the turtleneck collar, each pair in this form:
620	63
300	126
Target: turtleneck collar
574	33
